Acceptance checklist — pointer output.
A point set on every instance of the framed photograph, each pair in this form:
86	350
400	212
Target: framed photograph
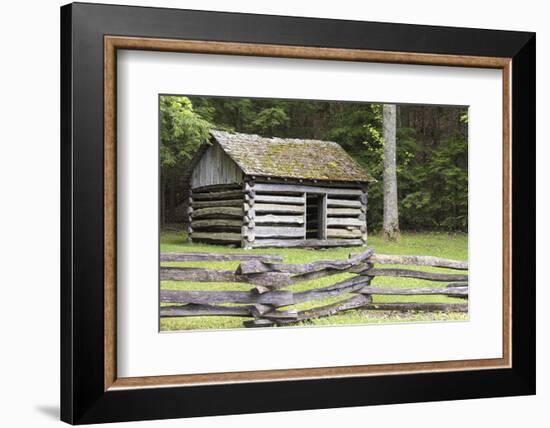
266	213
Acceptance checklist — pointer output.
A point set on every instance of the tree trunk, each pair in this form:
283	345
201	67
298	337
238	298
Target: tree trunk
391	215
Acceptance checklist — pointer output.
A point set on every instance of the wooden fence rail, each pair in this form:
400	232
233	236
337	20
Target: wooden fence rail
269	278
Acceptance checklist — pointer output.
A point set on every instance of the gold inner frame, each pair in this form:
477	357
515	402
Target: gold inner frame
113	43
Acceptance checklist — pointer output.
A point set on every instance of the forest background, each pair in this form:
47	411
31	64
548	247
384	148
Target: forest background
431	146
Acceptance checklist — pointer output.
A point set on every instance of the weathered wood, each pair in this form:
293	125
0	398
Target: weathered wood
306	243
354	302
259	266
343	212
343	233
271	279
223	222
258	323
218	212
215	167
419	261
217	257
219	203
347	286
282	219
201	310
275	298
277	232
322	217
258	309
345	203
360	269
228	194
407	273
454	291
280	199
279	208
217	188
425	307
297	188
344	221
457	285
217	236
311	182
281	315
250	214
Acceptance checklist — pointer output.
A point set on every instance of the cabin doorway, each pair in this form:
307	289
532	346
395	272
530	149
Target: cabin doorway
316	216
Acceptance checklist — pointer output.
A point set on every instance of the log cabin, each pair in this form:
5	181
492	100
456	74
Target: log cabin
258	192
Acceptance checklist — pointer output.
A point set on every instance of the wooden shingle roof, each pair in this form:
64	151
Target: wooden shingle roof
290	158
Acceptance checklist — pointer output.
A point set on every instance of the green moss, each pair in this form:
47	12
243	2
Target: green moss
291	158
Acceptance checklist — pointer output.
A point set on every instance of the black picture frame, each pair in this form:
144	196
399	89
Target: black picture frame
83	398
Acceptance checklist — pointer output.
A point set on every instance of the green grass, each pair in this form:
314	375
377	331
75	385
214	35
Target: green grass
428	244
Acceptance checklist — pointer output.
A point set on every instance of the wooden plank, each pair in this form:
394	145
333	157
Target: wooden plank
322	221
426	307
202	310
354	302
297	188
343	233
282	219
218	212
217	236
271	279
217	188
347	286
279	208
407	273
259	266
306	243
281	315
278	232
215	167
258	323
451	291
280	199
220	203
420	261
223	222
345	203
343	221
343	212
227	194
276	298
217	257
361	269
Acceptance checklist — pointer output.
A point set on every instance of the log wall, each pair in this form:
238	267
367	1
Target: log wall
215	214
262	214
298	214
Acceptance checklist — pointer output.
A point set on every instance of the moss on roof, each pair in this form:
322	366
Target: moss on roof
290	158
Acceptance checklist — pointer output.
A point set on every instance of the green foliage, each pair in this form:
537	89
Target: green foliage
433	183
182	131
432	147
270	120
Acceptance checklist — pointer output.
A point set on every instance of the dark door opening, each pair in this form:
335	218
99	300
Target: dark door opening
316	215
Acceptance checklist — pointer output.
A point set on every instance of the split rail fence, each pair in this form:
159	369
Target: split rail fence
269	278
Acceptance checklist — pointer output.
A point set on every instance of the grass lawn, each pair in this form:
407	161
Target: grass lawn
425	244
